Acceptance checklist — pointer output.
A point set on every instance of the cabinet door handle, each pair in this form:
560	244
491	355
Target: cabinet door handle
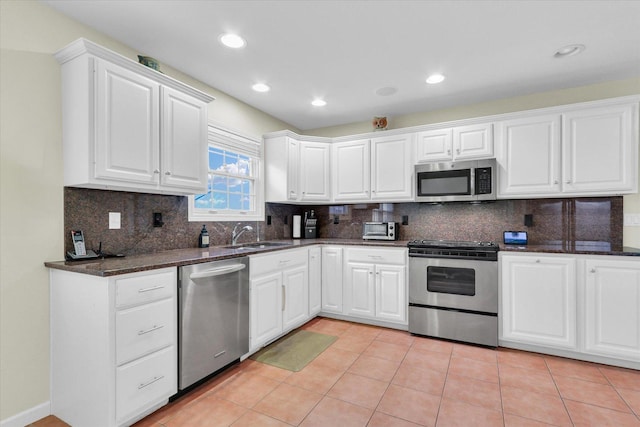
457	151
284	261
555	181
150	289
537	261
448	151
167	173
593	270
569	182
375	256
155	379
153	328
156	171
284	297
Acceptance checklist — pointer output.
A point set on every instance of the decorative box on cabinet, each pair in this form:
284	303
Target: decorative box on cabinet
278	293
113	346
128	127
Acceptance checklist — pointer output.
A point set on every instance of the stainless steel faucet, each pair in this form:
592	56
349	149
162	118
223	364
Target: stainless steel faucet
235	233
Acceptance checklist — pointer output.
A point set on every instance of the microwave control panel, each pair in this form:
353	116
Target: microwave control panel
483	180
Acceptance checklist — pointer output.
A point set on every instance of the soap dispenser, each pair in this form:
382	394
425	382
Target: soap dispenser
203	239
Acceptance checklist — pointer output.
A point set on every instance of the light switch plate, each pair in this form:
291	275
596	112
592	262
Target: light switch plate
114	220
631	220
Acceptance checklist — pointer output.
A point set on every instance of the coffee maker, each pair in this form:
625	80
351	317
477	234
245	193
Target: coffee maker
310	225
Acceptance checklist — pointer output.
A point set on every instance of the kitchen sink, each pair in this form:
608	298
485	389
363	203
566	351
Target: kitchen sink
258	245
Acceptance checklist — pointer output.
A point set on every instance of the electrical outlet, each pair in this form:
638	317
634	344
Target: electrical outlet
405	219
114	220
632	220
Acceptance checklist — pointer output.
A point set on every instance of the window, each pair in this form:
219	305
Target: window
235	180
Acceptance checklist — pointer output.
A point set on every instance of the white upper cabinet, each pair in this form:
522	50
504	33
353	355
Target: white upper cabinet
351	170
457	143
297	171
529	156
128	127
600	150
315	172
392	168
587	151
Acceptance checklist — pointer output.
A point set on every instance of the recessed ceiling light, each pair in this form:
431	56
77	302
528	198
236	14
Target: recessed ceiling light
435	78
318	103
569	50
386	91
261	87
233	41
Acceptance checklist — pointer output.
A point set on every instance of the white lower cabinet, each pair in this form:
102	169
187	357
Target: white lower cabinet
612	307
582	306
279	294
374	283
539	300
332	279
315	280
113	346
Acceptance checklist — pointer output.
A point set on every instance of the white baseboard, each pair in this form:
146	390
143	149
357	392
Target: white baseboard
27	417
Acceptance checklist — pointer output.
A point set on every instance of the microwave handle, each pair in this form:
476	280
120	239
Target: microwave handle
472	178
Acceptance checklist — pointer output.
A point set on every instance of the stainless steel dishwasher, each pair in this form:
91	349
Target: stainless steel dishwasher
213	300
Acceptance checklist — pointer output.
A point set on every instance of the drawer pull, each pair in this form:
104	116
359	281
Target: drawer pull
376	257
155	379
154	328
285	261
155	288
219	354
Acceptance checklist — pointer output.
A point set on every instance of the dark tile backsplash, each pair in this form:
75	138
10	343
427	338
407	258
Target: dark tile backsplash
587	219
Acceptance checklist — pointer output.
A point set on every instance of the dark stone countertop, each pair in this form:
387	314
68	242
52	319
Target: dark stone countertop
105	267
574	247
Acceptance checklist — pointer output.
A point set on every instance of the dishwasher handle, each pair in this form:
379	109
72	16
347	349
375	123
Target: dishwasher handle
227	269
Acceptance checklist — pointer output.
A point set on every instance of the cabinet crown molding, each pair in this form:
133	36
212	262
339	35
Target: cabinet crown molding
83	46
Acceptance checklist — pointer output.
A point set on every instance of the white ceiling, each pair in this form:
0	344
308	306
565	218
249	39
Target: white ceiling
343	51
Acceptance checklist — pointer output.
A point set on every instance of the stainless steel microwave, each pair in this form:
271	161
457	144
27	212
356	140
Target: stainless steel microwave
467	181
380	231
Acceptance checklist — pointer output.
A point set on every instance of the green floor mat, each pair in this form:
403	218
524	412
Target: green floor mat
294	351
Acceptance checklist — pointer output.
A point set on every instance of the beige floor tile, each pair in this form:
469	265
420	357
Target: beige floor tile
334	412
355	344
336	358
583	414
511	420
252	367
426	380
359	390
388	351
380	419
474	352
575	369
426	359
622	378
374	367
288	403
474	369
536	406
430	344
410	405
255	419
207	412
475	392
521	359
393	336
632	397
247	390
528	379
592	393
456	413
315	378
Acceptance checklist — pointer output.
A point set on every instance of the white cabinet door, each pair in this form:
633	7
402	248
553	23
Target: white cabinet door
473	141
295	294
539	300
391	296
266	308
612	312
434	145
359	286
391	168
600	150
351	170
528	152
315	281
127	125
332	279
292	167
184	142
315	182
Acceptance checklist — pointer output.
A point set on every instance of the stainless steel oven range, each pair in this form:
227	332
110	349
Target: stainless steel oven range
453	290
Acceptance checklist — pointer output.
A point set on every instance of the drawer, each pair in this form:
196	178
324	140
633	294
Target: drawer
141	288
277	261
377	256
144	329
145	382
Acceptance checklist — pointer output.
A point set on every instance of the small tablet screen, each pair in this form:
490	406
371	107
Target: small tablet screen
515	238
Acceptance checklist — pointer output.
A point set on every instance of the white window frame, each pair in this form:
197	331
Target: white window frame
234	141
